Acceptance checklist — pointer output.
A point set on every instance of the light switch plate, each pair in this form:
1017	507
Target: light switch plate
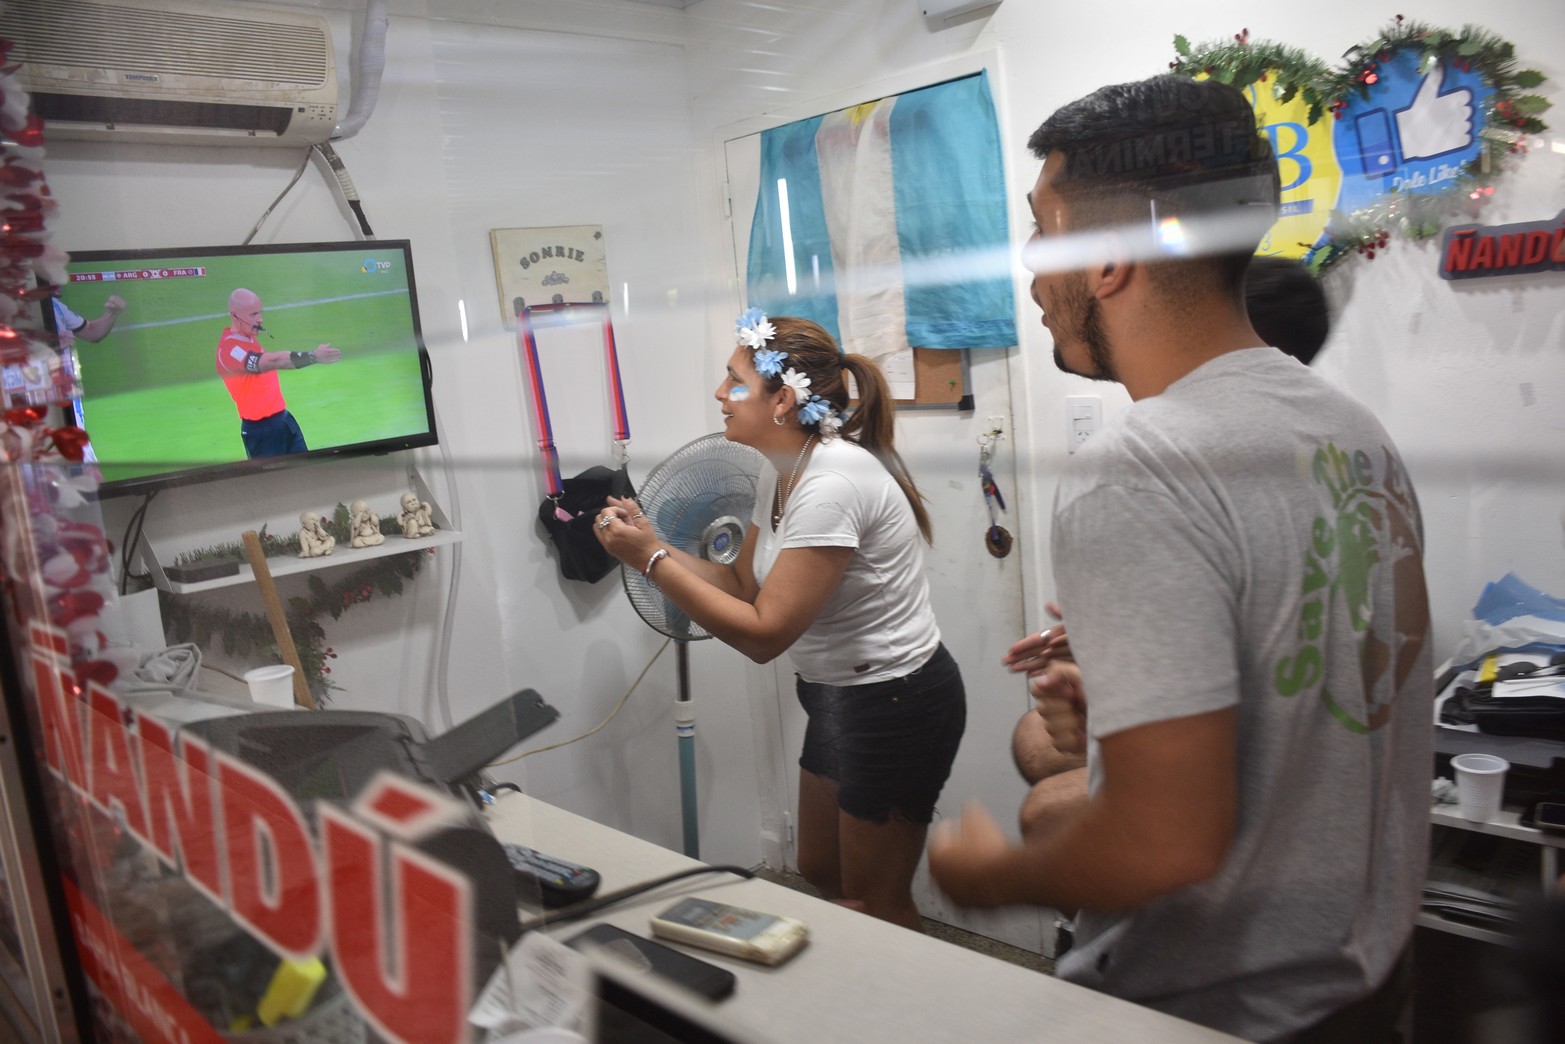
1083	417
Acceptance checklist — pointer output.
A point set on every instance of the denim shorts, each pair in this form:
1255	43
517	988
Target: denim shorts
887	745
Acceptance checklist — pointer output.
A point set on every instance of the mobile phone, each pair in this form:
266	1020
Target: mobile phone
747	934
708	980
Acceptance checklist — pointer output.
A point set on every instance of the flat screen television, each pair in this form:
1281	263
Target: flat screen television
156	408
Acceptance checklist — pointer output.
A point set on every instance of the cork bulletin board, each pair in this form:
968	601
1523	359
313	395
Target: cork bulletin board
940	379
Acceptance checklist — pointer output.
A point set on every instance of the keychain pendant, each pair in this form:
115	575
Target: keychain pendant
997	541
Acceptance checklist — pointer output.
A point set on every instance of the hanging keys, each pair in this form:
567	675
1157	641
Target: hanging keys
997	539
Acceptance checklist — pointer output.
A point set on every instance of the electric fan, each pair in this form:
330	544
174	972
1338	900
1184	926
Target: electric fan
699	500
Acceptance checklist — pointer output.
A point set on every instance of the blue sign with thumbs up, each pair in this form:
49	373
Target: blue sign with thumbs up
1414	131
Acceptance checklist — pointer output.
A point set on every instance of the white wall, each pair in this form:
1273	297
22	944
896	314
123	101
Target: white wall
482	127
1467	377
611	112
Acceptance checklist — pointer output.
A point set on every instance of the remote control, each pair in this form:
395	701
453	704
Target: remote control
558	881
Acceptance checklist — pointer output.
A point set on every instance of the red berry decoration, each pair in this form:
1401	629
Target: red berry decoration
70	441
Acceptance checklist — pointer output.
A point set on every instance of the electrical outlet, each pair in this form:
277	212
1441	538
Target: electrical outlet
1083	417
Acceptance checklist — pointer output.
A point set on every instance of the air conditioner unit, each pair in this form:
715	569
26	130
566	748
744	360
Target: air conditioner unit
938	13
175	71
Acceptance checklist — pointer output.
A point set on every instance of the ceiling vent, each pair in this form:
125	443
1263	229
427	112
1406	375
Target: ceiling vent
183	71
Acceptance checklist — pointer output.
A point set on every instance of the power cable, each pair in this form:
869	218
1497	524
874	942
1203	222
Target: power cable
132	537
618	707
286	189
454	514
349	193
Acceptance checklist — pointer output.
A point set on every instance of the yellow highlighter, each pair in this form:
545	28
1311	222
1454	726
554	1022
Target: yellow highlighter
291	990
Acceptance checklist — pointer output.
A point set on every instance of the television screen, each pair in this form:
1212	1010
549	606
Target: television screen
222	360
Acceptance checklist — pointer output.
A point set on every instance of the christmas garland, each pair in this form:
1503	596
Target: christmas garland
243	635
1509	116
62	573
26	255
1290	71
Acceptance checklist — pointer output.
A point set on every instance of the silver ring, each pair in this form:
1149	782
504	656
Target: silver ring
604	521
637	515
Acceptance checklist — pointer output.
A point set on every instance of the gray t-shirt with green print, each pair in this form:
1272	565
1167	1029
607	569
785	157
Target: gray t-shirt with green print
1249	539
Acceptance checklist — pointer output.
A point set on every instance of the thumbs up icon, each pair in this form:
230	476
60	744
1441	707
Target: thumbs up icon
1435	124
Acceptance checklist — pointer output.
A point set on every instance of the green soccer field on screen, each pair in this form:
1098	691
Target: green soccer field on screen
152	399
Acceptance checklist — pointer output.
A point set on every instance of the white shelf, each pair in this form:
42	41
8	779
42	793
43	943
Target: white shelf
1507	824
287	565
1426	919
219	514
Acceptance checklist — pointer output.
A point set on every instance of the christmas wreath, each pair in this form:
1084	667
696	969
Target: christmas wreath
1506	113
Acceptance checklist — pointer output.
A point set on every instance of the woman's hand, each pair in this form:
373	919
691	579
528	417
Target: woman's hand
1037	651
625	532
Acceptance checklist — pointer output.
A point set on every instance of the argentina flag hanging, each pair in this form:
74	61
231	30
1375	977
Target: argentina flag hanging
886	223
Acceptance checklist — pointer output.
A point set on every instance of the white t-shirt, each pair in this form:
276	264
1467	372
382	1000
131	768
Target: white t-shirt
878	623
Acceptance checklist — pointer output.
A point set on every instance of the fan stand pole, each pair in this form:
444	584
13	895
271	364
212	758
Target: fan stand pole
685	729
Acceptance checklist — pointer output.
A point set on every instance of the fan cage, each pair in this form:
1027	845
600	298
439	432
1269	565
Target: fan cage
699	501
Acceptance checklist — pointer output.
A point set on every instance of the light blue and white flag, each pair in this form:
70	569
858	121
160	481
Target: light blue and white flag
886	223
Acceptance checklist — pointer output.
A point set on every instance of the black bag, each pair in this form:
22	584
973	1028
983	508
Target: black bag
582	498
572	506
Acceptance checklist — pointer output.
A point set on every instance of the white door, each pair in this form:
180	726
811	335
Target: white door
977	597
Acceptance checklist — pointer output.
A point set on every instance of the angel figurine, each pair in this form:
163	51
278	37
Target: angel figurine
314	541
365	525
414	517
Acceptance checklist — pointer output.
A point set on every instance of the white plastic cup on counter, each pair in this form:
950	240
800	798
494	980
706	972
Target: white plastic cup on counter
1480	783
271	685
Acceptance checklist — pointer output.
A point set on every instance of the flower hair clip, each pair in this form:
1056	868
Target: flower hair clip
813	410
753	331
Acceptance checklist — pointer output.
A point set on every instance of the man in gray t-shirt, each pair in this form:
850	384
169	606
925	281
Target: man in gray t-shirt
1240	564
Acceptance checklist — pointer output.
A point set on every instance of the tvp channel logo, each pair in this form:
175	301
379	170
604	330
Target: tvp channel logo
372	266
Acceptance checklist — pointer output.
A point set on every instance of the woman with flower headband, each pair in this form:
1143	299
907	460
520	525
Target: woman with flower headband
832	571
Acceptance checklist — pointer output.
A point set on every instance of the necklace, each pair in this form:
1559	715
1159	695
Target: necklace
781	499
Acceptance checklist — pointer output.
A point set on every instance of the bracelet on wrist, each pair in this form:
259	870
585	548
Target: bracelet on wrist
657	556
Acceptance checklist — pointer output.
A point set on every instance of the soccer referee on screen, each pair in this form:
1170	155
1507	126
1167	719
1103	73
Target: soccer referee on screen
265	425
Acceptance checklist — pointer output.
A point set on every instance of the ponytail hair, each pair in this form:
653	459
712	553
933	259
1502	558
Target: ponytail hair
813	352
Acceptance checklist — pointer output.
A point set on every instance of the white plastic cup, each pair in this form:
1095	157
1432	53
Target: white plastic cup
271	685
1480	783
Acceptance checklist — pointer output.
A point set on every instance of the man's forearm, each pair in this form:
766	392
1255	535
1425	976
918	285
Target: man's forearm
1091	859
95	330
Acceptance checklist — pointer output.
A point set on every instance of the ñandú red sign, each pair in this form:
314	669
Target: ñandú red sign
1493	250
